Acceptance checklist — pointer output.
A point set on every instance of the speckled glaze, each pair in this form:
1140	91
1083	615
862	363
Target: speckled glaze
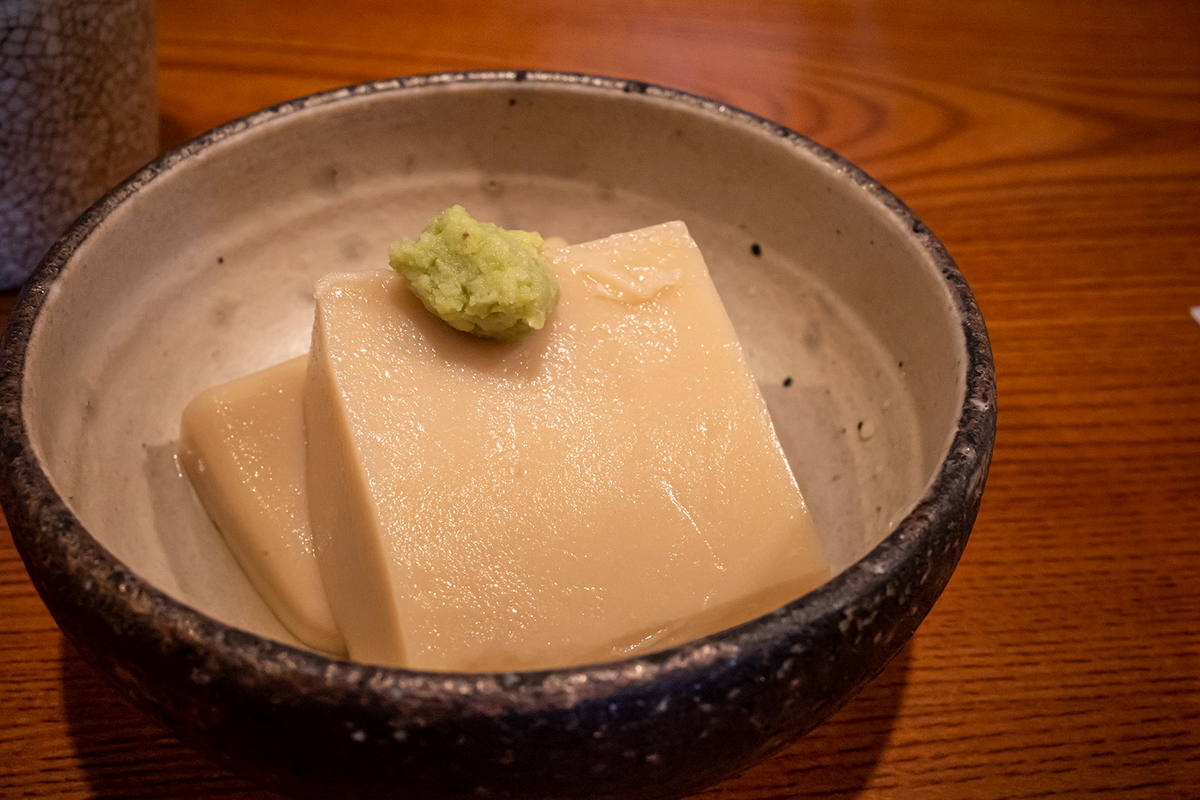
78	112
656	726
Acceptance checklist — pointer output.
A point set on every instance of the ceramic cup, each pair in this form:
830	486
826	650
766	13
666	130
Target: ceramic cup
78	112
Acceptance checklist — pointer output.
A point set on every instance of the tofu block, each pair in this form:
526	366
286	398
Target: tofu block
610	485
242	446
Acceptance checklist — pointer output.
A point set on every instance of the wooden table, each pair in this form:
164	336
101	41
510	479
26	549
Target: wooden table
1055	149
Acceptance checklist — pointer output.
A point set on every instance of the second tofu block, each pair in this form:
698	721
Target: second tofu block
242	445
610	484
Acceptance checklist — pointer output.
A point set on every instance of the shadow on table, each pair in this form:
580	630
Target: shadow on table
171	133
124	754
839	757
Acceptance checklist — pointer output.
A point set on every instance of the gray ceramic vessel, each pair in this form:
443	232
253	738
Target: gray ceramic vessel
866	341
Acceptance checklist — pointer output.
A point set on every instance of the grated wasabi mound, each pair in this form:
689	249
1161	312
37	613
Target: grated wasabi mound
478	277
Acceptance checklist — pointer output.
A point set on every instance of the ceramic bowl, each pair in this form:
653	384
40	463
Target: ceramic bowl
866	341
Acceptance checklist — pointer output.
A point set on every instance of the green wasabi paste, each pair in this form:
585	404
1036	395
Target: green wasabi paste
478	277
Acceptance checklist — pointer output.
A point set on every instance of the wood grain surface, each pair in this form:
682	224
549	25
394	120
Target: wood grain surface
1055	149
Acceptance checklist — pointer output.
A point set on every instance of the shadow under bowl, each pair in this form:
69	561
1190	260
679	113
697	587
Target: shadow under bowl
864	337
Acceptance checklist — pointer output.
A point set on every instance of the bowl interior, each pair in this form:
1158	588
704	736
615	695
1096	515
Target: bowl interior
205	273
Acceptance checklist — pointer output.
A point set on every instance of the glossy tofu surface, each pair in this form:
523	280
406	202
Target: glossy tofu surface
611	484
242	445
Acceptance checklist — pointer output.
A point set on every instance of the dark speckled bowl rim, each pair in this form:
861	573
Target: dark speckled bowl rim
225	647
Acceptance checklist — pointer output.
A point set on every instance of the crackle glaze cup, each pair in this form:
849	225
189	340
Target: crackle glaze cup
78	112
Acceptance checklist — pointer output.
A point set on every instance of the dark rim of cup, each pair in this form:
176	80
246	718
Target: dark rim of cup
43	525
